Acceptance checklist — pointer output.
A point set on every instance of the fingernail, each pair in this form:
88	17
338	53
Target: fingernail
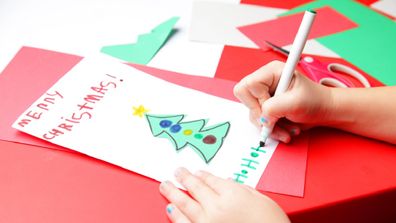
178	172
164	185
169	208
284	139
263	120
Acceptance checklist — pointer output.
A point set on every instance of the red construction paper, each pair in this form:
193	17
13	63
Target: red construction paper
45	185
23	81
367	2
281	31
291	168
32	63
348	179
237	62
344	172
289	4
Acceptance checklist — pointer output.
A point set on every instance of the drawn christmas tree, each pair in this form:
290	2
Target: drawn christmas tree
205	141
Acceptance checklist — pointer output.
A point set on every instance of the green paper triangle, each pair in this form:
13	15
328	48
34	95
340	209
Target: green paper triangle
146	46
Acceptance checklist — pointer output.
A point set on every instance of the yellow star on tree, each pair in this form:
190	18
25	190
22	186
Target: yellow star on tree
139	111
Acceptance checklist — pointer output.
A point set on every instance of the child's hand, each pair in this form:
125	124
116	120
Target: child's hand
217	200
303	105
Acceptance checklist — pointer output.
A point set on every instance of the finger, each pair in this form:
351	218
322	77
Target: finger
254	117
175	215
267	76
262	82
256	88
199	190
293	128
281	134
217	184
182	201
244	95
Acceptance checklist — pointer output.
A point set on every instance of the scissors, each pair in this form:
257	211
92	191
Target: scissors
326	74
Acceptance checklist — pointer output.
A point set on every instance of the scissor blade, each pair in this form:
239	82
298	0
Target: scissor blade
277	48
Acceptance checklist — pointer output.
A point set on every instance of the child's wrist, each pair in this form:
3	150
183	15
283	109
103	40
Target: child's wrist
338	108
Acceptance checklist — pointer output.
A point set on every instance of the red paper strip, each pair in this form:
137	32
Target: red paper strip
289	4
282	31
291	168
213	86
367	2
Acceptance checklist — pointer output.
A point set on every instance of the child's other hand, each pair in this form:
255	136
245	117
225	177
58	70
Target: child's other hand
303	105
217	200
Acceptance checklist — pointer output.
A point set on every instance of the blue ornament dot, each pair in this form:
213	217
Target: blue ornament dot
165	123
175	128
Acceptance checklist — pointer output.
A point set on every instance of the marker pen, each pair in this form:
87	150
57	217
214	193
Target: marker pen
291	62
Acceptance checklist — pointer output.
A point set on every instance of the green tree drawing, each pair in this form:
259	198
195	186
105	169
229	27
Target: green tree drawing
205	141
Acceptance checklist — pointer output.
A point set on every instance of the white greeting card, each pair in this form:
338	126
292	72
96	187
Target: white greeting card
121	115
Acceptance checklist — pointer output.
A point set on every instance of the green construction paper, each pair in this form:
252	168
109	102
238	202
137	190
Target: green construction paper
206	142
371	46
146	46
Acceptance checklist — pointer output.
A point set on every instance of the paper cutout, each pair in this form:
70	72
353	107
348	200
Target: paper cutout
94	118
216	22
282	31
370	46
146	47
205	141
32	64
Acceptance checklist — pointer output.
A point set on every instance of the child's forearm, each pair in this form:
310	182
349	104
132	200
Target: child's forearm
369	112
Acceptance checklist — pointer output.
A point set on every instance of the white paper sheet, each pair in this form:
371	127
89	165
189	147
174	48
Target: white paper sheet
92	105
216	22
386	6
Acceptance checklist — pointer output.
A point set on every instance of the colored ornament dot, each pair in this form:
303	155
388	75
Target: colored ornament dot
187	132
175	128
244	171
253	154
198	136
165	123
210	139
